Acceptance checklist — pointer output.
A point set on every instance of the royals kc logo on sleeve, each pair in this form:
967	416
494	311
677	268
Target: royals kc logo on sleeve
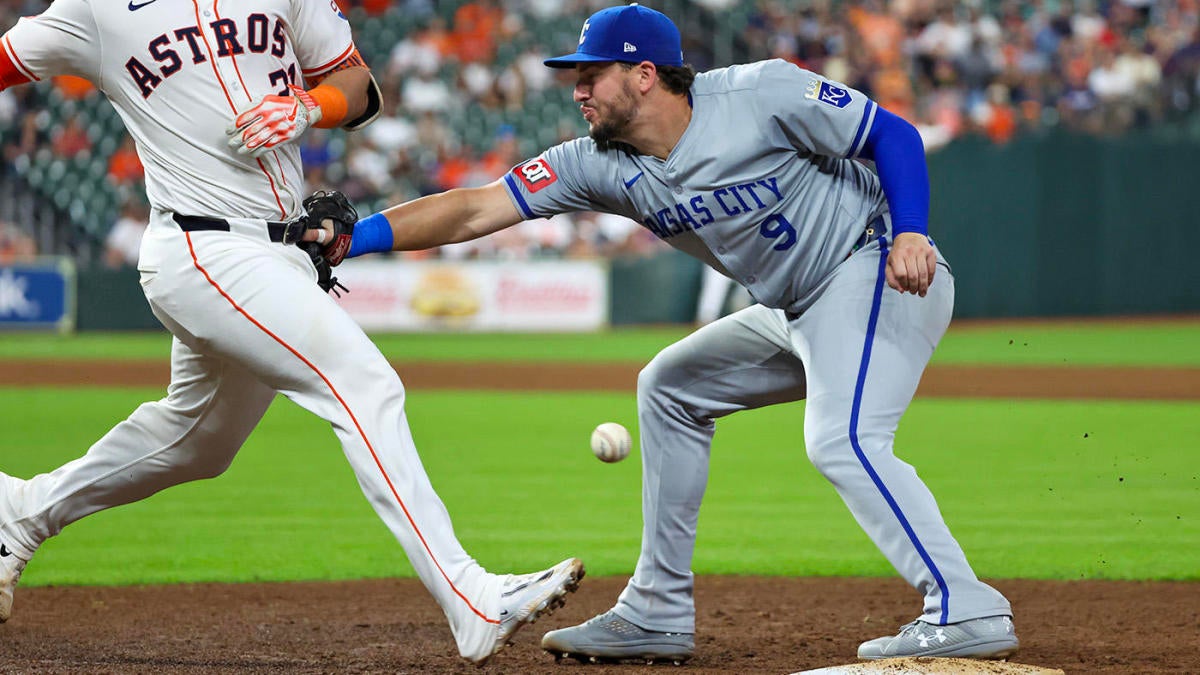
827	93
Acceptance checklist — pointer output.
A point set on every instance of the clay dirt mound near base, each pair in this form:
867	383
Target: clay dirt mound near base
745	625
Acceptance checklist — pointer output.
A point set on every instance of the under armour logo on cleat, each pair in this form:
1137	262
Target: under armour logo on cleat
939	635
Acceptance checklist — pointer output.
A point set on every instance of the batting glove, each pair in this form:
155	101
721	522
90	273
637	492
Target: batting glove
272	121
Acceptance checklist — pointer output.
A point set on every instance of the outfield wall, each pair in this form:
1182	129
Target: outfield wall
1063	225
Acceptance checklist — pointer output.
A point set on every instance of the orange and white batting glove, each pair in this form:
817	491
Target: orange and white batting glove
272	121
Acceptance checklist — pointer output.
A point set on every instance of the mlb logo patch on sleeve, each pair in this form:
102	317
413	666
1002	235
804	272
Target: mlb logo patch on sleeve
536	174
827	93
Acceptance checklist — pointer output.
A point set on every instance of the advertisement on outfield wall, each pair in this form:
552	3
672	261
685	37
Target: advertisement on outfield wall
39	294
404	295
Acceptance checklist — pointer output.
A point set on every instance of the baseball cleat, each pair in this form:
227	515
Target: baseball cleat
12	563
11	566
991	637
525	598
610	638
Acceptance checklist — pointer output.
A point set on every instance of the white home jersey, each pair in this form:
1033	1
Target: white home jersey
176	72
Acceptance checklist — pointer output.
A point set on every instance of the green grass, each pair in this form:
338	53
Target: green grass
1081	344
1025	491
1111	343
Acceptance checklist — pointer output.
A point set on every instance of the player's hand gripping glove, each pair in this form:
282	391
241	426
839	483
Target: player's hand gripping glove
272	121
328	251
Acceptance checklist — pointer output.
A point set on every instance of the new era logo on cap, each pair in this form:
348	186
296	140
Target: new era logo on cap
629	33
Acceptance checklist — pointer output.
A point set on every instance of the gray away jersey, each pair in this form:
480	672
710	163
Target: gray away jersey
762	185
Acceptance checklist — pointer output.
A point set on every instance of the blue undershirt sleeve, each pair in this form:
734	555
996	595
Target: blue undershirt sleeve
899	157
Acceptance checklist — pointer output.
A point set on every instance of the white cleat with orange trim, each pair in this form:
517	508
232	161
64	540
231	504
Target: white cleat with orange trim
523	599
13	557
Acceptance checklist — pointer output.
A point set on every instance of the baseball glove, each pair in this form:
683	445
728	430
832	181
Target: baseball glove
328	253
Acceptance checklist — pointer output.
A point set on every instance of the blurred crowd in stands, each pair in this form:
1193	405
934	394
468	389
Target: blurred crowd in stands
992	68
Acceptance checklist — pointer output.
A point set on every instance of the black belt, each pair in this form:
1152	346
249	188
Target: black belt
874	230
275	229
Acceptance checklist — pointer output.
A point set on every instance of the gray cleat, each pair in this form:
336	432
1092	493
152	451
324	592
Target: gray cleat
990	637
608	637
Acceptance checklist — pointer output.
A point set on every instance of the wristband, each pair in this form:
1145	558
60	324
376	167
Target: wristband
372	234
332	103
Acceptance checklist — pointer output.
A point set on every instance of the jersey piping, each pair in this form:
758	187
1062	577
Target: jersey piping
856	408
261	166
322	68
16	61
345	406
518	199
212	58
860	136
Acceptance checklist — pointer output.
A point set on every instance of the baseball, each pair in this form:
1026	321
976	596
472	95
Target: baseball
611	442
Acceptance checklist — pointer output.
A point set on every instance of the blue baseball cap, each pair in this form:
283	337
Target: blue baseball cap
630	33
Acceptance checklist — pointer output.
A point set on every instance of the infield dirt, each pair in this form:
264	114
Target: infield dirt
744	624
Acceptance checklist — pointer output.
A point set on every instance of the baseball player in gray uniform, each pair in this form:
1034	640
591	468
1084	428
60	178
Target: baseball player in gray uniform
215	92
752	169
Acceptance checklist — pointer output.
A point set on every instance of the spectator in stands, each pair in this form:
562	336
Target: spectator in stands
1181	73
29	136
124	166
1137	62
477	26
316	154
423	91
394	130
504	154
423	51
1115	90
70	139
73	88
124	240
15	244
997	68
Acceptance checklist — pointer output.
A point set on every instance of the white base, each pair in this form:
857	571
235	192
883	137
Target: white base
932	666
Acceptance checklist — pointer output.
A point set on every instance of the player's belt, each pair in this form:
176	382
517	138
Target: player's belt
874	230
249	227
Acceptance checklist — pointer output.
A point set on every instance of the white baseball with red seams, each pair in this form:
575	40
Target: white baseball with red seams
247	318
611	442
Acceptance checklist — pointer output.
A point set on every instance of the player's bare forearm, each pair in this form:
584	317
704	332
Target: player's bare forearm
911	263
450	217
352	82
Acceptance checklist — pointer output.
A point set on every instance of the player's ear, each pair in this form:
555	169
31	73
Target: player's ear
647	76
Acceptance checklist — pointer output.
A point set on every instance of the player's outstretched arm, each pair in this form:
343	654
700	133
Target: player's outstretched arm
457	215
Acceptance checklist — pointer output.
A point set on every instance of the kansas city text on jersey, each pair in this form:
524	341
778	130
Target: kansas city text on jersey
698	211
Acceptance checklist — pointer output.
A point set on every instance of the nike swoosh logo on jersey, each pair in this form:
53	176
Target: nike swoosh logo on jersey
134	8
629	183
4	552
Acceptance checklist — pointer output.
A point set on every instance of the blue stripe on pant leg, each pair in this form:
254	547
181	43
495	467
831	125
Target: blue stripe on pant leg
876	302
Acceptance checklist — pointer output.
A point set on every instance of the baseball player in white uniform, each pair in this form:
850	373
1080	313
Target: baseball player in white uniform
752	170
214	92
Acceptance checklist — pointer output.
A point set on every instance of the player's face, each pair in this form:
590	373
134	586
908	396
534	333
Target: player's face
608	101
